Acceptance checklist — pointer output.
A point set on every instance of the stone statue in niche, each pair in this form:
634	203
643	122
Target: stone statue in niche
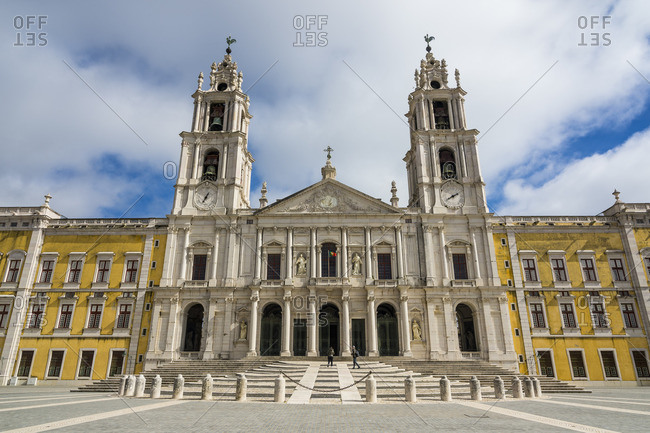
301	265
356	264
417	331
243	330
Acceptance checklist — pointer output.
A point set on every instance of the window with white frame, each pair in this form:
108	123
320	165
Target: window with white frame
640	358
646	260
629	315
587	261
95	316
86	363
65	315
530	269
123	316
537	315
103	267
577	360
47	269
56	363
4	315
131	267
568	315
610	367
15	261
36	314
618	269
559	269
598	315
74	270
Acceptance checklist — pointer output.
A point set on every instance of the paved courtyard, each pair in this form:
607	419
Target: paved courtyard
42	408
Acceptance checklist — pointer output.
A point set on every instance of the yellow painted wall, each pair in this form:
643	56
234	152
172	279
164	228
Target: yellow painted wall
12	240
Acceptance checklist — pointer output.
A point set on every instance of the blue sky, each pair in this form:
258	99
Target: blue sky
579	132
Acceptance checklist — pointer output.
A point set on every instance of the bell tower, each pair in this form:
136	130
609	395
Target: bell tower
215	167
442	163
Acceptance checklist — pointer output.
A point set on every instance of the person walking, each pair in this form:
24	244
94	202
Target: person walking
330	357
355	354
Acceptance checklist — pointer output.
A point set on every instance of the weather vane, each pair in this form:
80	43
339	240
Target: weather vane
230	41
329	151
428	39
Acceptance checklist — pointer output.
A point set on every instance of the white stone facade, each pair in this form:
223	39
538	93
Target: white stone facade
330	266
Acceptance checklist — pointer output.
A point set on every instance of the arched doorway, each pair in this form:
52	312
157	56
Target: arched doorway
466	331
328	326
271	332
387	332
193	329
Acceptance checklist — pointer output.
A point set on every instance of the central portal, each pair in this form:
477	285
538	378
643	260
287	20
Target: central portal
328	324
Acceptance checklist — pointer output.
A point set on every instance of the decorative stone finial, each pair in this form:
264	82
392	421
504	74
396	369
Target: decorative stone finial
457	76
428	39
47	200
263	200
393	190
213	75
329	151
616	194
230	41
328	171
200	81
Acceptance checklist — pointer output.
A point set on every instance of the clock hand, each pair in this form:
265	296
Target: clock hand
205	198
452	196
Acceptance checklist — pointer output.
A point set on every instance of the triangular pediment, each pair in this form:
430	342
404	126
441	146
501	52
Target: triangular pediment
329	197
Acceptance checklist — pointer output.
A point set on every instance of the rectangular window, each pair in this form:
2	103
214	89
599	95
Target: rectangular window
517	332
506	263
4	315
66	316
46	271
559	271
598	315
198	267
273	266
629	316
588	269
95	316
384	267
568	318
25	363
124	316
36	316
75	271
86	365
460	266
14	269
530	272
537	314
132	270
577	364
618	272
56	361
103	268
545	363
609	363
640	363
117	362
647	265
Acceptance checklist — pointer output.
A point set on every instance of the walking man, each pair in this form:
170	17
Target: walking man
355	354
330	357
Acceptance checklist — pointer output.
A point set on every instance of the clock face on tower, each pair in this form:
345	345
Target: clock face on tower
205	196
452	194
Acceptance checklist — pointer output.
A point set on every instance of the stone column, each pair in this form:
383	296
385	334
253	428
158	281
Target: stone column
432	340
215	262
258	255
428	255
453	349
286	324
279	392
445	263
312	253
475	388
372	325
171	327
400	252
312	320
490	337
410	390
289	255
477	262
226	337
345	307
369	274
195	161
207	387
371	389
224	162
186	243
406	329
252	329
344	253
445	389
209	331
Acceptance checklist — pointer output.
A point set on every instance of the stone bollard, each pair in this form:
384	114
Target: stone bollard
475	388
445	389
528	388
156	384
140	382
516	388
499	388
206	389
537	387
179	384
240	393
122	385
410	390
371	389
130	386
279	391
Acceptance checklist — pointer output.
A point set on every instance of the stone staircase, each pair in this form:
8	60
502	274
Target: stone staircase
389	374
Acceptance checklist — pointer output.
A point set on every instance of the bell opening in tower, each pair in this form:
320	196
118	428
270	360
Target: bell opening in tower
441	114
210	166
447	164
217	111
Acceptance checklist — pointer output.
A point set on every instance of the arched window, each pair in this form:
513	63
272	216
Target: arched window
328	260
447	164
210	166
216	116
